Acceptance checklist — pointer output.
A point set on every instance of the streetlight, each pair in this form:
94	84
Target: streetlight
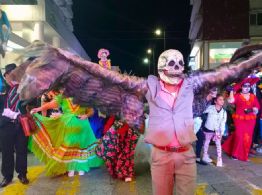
151	51
158	32
146	60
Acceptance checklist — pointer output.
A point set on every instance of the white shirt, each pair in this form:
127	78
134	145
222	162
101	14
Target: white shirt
215	120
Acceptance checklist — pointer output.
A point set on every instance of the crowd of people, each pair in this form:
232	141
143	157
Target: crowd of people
72	138
232	117
69	138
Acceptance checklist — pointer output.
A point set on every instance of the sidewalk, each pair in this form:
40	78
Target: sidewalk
235	178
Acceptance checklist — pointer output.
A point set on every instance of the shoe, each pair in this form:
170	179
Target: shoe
5	182
201	162
71	173
253	151
219	162
233	158
81	173
207	159
128	179
23	179
259	150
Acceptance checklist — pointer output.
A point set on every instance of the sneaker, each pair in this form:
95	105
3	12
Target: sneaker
81	173
128	179
207	159
71	173
201	162
259	150
219	162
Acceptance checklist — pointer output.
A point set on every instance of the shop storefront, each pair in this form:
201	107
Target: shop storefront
210	54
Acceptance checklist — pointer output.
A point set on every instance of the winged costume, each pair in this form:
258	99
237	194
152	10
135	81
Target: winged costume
170	100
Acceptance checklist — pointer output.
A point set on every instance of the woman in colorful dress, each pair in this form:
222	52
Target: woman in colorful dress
65	142
117	148
239	142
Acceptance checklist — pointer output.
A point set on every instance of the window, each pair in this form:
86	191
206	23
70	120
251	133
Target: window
253	19
259	19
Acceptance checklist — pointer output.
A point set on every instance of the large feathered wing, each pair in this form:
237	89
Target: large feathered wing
88	83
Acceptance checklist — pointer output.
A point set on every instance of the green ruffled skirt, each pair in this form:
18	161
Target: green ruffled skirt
65	143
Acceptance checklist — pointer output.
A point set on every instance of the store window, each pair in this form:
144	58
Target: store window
221	52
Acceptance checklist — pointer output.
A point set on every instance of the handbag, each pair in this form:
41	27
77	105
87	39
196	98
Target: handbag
28	124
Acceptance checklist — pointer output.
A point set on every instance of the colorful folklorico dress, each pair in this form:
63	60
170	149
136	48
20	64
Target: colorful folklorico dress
117	149
65	143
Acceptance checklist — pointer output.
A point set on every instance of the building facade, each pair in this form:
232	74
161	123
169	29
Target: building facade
46	20
219	27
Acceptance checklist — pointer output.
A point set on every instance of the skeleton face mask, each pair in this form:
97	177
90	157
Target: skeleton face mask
171	66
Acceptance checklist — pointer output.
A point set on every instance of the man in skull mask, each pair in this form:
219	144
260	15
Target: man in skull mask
170	128
170	100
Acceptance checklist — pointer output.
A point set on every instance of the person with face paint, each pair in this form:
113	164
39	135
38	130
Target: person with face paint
239	142
102	55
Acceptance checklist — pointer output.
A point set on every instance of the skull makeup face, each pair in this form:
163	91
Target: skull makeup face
171	66
246	88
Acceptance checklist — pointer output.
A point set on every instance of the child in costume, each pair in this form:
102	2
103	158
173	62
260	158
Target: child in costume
214	128
66	142
102	55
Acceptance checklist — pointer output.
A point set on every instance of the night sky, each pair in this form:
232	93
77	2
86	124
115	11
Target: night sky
126	29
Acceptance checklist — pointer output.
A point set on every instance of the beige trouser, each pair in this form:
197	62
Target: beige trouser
173	168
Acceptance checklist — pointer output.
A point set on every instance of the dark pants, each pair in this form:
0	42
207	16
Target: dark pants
13	140
200	141
256	134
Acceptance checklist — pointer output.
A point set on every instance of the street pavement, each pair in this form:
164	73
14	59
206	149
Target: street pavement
235	178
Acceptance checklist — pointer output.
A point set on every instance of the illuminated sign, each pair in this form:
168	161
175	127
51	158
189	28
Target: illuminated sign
221	52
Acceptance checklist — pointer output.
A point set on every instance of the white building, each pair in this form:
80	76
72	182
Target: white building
46	20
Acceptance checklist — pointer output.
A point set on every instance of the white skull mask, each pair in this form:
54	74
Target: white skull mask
171	66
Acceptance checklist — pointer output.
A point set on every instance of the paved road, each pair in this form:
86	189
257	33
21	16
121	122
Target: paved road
235	178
